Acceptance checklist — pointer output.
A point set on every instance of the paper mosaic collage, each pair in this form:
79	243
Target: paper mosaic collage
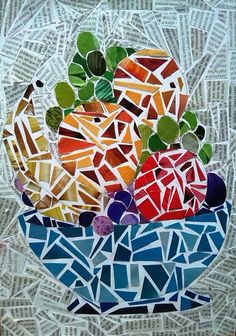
117	168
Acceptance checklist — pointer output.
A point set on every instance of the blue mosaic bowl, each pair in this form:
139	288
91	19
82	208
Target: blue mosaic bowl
136	269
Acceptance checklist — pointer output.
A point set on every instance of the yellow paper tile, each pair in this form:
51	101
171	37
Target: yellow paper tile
89	125
134	96
34	124
71	120
55	173
181	83
68	217
109	120
70	166
87	200
127	173
86	184
34	186
35	198
32	166
127	137
93	138
42	157
141	87
44	171
54	213
159	103
22	104
139	147
77	155
109	142
147	122
42	143
61	184
11	155
110	107
152	52
22	177
70	194
85	162
44	203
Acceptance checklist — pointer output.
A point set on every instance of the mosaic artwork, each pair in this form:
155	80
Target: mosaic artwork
167	237
137	269
117	169
172	185
149	84
101	142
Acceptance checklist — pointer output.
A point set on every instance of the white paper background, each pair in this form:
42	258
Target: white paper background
37	42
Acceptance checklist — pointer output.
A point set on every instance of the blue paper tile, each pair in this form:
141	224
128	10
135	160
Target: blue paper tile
145	240
94	286
74	250
68	278
52	237
107	247
176	226
127	296
71	232
190	240
85	246
190	294
57	252
122	253
210	228
152	254
21	219
84	292
223	219
151	227
81	271
204	244
196	227
37	248
209	217
193	257
164	237
191	274
98	259
96	247
148	291
134	275
106	275
157	274
174	297
55	268
173	246
125	241
179	277
106	295
217	239
209	260
172	285
180	259
120	276
118	231
34	220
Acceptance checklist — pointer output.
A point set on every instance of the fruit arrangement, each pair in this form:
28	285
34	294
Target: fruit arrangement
115	113
126	215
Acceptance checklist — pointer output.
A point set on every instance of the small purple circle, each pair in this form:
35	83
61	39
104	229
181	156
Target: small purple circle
18	185
129	218
216	190
103	225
